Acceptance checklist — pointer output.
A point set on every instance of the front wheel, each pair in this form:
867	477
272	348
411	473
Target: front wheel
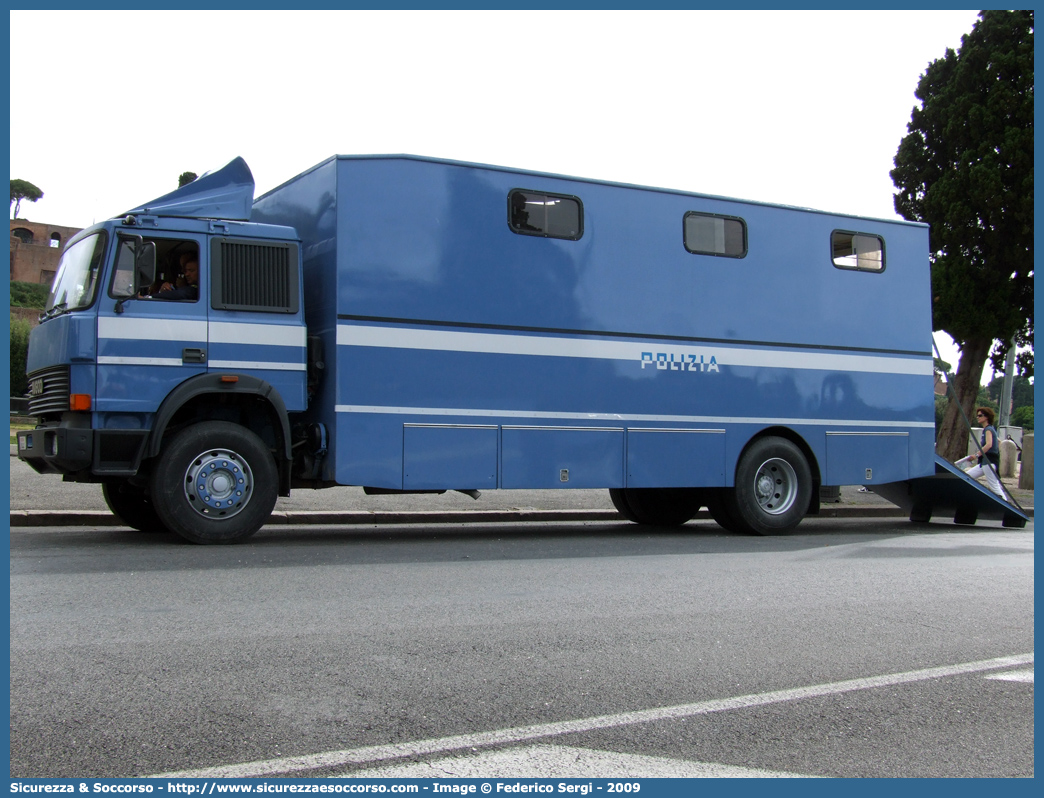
215	483
773	488
132	505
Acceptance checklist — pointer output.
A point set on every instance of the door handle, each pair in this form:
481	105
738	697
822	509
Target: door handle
193	356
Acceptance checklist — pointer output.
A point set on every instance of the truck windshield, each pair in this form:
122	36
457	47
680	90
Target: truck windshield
78	274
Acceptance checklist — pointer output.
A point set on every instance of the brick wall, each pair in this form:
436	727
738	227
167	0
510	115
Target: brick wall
33	258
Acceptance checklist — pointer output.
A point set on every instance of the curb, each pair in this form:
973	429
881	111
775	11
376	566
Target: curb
36	518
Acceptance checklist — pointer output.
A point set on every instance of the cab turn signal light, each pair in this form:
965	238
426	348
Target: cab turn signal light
80	401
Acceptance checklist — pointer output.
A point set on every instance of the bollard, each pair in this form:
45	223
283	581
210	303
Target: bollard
1009	455
974	437
830	493
1026	472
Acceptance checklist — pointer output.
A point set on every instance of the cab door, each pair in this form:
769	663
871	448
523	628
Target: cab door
148	346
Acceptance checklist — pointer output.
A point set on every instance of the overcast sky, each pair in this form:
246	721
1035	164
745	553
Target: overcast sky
801	108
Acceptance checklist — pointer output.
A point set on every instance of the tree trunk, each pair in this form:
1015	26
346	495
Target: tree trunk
953	434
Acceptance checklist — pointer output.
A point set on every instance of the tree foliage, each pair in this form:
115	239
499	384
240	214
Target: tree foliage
966	168
19	354
29	295
1021	391
185	178
23	190
1023	417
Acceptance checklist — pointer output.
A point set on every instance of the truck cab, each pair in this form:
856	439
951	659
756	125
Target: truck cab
121	371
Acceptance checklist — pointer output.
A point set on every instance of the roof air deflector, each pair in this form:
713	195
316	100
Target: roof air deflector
227	193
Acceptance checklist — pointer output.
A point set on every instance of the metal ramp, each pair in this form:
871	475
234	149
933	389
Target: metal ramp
950	492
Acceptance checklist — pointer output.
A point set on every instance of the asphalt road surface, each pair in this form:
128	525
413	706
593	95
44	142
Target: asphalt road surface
853	648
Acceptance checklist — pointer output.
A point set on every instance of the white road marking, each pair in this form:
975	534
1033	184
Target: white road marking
1014	676
563	762
379	753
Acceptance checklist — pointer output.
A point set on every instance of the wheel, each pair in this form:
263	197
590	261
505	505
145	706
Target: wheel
660	506
921	514
719	511
215	483
773	488
132	505
619	500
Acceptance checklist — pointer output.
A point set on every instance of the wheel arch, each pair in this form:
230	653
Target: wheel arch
246	400
790	435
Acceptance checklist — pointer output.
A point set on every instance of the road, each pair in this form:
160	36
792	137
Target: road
853	648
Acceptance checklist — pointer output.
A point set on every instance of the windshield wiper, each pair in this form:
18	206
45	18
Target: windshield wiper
56	310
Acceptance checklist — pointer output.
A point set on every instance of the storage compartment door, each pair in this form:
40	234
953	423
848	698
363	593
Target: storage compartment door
863	458
675	458
557	457
448	457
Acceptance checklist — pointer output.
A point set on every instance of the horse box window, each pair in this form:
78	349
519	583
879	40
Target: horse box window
711	234
536	213
860	251
254	275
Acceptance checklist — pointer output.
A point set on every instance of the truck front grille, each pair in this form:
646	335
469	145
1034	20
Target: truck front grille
49	391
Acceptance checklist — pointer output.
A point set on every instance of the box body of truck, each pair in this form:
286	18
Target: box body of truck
630	338
468	327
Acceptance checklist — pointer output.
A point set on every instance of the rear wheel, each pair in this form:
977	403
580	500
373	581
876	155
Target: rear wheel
619	500
133	505
718	505
773	488
215	483
658	506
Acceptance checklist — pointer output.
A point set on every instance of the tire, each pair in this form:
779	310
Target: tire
132	505
660	506
719	511
619	500
773	488
215	483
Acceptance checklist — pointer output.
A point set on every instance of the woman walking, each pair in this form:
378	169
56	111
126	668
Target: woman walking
988	461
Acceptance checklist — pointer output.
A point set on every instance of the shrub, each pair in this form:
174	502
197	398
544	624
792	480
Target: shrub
1023	417
29	295
19	354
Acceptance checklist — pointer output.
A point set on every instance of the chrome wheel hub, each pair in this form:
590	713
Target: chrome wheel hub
218	484
776	486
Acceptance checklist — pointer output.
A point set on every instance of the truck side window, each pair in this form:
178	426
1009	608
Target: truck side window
535	213
174	281
711	234
860	251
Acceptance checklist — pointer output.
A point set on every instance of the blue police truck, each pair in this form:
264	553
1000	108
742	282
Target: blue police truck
411	324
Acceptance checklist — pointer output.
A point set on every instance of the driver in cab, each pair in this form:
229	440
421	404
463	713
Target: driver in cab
187	288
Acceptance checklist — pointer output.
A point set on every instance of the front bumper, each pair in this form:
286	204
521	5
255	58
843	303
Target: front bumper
56	450
72	450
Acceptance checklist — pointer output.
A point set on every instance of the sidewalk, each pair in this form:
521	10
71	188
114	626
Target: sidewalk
45	500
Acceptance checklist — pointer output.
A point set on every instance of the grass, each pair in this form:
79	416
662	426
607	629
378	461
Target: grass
17	425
